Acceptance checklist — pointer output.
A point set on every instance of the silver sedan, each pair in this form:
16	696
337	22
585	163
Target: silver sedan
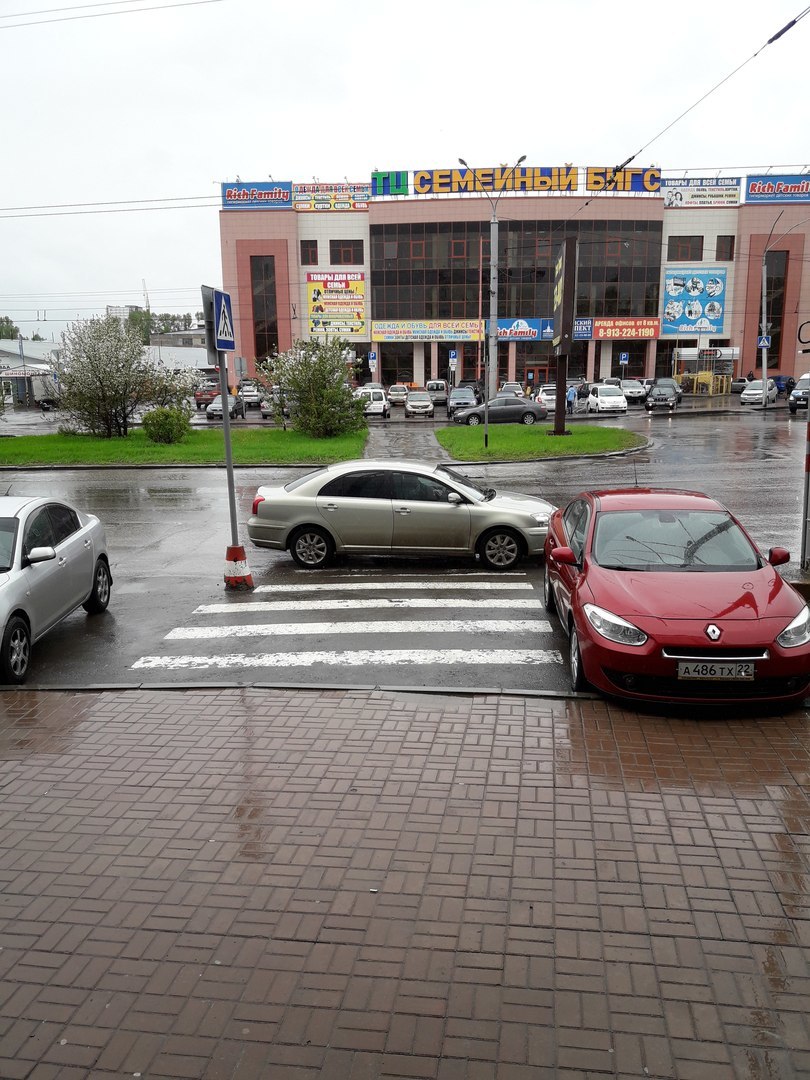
397	508
53	559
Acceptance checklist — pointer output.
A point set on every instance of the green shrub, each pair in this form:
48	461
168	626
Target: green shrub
166	425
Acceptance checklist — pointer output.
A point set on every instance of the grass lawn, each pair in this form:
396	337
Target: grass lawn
262	447
516	442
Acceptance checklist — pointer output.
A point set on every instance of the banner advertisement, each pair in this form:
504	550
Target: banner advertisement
777	189
583	329
694	300
544	178
336	303
262	196
427	330
525	329
626	328
701	191
327	197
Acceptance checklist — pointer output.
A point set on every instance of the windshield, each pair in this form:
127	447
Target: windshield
803	383
610	391
421	396
693	540
8	527
631	384
755	384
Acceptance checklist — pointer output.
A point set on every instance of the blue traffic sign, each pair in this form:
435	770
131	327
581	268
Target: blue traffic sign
764	341
624	358
453	354
223	322
372	356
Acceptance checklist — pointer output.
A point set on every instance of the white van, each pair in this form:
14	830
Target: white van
375	403
437	388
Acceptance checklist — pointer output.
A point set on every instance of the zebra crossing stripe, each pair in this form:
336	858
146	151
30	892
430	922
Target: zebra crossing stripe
243	606
364	658
393	586
453	626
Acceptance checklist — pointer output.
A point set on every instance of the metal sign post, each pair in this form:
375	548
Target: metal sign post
219	340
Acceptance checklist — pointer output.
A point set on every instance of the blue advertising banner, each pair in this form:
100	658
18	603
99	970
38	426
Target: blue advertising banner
525	329
261	196
694	300
583	329
773	189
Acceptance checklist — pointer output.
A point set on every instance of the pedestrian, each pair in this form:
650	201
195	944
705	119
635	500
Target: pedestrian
750	376
570	398
582	395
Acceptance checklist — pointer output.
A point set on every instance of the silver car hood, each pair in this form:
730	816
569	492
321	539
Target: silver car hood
530	503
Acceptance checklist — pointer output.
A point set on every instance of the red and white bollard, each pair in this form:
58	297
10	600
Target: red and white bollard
237	571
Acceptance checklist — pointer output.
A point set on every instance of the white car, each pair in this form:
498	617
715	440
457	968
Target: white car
251	394
397	393
633	390
547	395
53	559
512	388
375	403
603	398
752	394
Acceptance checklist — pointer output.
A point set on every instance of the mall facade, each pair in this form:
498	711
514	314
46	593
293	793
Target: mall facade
668	278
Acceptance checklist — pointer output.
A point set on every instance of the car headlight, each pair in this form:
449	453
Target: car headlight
798	632
613	628
541	519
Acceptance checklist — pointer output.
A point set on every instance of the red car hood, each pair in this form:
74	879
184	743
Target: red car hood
744	596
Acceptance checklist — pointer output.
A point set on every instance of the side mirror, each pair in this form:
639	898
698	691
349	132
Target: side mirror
564	555
454	498
777	556
39	554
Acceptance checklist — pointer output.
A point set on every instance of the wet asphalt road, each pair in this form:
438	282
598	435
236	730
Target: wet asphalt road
168	531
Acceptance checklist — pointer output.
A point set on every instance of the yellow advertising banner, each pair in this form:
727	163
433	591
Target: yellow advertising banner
336	304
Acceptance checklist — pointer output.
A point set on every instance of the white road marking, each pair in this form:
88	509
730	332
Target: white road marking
393	586
388	657
456	626
389	602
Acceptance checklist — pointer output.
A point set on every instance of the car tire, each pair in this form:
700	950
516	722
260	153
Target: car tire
578	681
549	602
792	411
473	421
312	547
99	598
16	651
528	418
500	549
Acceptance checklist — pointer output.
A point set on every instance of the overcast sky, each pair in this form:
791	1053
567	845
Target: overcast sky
165	104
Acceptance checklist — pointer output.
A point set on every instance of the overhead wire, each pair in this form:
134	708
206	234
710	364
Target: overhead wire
103	14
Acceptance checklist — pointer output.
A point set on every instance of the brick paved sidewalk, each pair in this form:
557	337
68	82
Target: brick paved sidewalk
288	884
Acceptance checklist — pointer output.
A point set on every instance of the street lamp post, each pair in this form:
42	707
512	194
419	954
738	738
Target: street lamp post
492	348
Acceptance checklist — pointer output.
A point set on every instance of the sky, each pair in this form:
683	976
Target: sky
141	108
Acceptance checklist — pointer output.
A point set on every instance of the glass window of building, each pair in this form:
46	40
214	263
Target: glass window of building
309	252
265	310
346	252
685	249
724	249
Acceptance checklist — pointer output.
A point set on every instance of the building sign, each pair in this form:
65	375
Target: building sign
694	300
554	178
326	197
525	329
336	304
626	328
701	191
774	189
583	329
261	196
427	330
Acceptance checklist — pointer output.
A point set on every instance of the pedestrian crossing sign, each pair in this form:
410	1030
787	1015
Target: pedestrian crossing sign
223	322
764	341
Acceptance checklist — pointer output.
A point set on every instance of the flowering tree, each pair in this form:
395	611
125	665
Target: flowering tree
104	377
313	383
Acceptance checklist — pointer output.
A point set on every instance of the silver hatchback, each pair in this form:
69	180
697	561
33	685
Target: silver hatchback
397	508
53	559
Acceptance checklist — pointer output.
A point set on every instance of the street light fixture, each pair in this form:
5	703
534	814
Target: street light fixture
492	347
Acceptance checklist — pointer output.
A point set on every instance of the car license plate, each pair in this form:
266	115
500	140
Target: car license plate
699	669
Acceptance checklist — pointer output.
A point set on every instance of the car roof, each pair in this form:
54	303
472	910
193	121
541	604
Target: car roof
652	499
11	505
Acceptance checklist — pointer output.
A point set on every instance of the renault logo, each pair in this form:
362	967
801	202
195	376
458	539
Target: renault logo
713	632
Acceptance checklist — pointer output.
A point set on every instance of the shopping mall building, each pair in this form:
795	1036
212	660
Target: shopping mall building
668	275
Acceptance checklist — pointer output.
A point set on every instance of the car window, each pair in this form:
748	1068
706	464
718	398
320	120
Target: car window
359	485
65	522
611	391
575	523
803	383
38	531
416	488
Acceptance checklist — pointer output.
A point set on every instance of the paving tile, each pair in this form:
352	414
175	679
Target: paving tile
363	885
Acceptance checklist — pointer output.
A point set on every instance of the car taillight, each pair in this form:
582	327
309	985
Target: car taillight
256	502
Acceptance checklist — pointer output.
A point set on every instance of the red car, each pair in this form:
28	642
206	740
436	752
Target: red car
666	598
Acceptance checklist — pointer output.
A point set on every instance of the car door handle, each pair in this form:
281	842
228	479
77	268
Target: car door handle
330	506
402	510
88	543
62	560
